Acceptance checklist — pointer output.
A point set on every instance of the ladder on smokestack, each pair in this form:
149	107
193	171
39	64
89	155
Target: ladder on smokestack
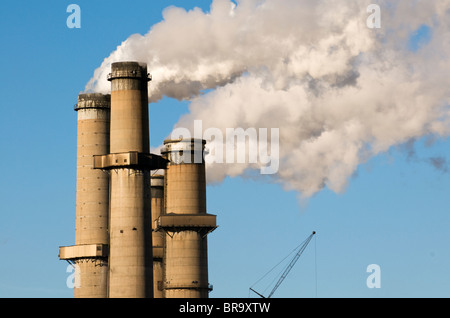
288	268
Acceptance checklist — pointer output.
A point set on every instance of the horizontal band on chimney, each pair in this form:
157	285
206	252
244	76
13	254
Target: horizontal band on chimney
129	160
83	251
186	221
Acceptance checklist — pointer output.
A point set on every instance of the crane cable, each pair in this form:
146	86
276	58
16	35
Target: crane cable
300	246
315	262
275	266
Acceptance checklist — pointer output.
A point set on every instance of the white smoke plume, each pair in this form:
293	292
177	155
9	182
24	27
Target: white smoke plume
339	91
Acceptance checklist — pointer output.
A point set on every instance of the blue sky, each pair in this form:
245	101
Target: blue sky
394	212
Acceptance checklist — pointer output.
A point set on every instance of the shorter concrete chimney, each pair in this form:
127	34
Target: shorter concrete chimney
185	222
89	255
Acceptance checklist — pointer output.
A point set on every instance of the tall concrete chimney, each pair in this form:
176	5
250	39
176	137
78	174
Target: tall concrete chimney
185	221
130	253
89	255
157	190
129	163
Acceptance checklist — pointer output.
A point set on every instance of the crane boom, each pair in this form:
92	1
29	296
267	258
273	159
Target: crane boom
291	264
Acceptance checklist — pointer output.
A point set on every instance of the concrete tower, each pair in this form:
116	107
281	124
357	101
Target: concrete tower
89	255
129	163
185	222
130	258
157	190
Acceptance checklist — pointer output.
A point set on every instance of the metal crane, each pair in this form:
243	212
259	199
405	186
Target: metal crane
289	267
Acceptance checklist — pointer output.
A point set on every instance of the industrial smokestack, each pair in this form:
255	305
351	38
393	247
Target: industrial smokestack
129	163
89	255
185	222
130	258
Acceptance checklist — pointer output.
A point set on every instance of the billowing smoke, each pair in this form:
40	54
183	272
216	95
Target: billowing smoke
339	91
